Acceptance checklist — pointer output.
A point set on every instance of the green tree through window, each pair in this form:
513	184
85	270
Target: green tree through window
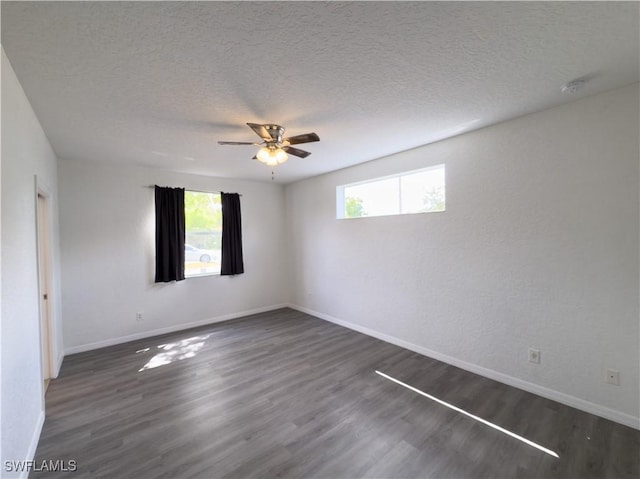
203	224
434	200
354	207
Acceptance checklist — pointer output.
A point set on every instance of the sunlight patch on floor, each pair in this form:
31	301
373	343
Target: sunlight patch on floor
176	351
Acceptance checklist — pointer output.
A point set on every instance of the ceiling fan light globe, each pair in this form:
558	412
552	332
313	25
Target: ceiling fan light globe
281	156
263	155
272	156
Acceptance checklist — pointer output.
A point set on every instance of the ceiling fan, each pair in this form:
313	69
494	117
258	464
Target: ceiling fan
276	148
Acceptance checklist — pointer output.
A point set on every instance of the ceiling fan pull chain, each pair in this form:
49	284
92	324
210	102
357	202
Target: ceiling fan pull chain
273	175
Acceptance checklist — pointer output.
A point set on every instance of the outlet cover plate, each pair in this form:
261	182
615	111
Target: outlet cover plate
534	355
613	377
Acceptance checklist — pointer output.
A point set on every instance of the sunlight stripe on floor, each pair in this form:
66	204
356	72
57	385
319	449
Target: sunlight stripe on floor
472	416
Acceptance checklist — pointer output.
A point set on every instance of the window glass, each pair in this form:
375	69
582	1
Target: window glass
377	198
421	191
203	238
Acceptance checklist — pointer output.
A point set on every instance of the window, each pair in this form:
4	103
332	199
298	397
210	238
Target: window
421	191
203	233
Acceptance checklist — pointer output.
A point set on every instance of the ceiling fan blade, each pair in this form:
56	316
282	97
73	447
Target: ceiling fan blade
261	131
296	151
237	143
306	138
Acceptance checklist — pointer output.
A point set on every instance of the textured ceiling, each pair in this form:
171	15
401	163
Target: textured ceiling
159	83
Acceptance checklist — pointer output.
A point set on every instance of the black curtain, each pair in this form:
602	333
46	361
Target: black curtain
170	231
232	262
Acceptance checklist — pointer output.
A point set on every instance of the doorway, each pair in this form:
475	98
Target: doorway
44	280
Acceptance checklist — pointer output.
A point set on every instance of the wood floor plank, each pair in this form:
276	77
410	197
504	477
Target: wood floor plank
284	394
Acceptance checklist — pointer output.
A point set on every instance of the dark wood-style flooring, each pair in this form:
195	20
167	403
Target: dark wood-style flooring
284	394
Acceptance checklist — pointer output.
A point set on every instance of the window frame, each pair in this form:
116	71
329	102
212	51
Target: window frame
340	193
202	274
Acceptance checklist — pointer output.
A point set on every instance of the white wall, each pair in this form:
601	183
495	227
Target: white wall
26	153
107	248
538	247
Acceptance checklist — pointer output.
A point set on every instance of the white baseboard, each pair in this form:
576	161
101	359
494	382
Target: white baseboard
58	365
33	445
170	329
581	404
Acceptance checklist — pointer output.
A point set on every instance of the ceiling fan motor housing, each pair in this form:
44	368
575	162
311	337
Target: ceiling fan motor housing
276	132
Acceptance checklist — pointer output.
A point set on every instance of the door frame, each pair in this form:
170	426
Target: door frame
45	281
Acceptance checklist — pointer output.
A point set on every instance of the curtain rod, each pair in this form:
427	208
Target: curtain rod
191	189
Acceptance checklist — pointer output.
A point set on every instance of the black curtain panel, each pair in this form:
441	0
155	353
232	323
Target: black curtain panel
232	262
170	232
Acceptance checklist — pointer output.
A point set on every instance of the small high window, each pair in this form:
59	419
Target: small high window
420	191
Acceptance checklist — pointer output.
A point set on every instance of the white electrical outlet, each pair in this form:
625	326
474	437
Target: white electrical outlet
534	355
138	316
613	377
